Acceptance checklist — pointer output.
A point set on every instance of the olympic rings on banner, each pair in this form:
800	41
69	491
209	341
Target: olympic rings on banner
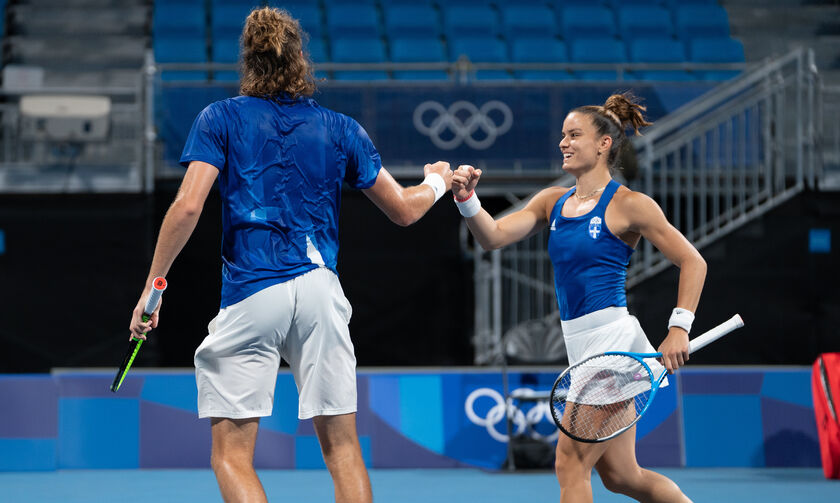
463	119
496	415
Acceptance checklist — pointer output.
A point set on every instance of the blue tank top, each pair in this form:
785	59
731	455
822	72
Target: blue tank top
590	263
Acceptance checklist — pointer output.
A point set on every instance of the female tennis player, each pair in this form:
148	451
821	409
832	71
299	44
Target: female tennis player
594	228
281	160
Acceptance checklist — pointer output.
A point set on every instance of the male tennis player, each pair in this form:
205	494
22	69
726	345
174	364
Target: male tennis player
594	228
281	160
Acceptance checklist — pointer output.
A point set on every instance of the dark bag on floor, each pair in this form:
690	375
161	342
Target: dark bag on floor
530	453
825	384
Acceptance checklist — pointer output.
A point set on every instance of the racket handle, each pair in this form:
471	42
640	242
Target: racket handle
158	286
716	333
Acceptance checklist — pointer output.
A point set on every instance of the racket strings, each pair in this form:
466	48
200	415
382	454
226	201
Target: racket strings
601	396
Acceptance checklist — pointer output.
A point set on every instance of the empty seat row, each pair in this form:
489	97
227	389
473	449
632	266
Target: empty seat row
342	20
415	33
442	3
487	50
530	20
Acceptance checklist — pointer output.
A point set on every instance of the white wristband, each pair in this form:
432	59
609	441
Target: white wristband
470	206
682	318
435	181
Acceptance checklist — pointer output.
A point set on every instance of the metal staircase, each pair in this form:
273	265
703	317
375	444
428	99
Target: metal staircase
731	155
713	165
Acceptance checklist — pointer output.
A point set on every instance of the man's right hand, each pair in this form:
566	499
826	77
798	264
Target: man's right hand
139	328
442	168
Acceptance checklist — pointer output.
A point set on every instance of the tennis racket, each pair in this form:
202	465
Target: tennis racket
604	395
158	286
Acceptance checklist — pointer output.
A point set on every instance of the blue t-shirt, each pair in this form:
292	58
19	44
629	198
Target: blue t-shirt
281	166
590	263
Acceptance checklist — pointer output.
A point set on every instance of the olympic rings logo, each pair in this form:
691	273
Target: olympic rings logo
496	415
463	119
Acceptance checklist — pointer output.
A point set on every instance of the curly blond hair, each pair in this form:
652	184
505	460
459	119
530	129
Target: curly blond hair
272	59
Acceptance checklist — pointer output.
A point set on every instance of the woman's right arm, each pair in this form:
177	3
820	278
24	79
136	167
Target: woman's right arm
492	234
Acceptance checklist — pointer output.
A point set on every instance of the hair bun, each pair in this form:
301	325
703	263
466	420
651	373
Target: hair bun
626	107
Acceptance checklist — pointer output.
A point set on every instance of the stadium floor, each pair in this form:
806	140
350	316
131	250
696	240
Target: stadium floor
719	485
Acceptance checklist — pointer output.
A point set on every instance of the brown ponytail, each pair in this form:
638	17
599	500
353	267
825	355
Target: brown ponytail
272	62
629	112
618	113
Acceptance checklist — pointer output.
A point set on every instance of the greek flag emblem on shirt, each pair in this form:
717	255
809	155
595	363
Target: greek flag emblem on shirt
595	227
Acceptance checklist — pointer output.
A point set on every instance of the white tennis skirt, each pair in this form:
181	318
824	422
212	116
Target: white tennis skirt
610	329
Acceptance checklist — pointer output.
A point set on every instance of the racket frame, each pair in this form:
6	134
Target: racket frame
654	386
698	342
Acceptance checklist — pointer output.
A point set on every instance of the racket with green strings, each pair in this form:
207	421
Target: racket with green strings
158	286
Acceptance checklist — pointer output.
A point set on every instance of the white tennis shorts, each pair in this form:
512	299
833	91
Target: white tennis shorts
610	329
304	321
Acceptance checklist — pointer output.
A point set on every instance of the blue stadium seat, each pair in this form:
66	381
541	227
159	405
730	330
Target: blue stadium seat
692	21
180	20
411	20
481	50
587	22
318	54
528	21
597	50
716	50
330	3
388	3
559	4
676	3
465	21
640	21
308	14
305	11
618	4
418	50
227	3
539	50
180	49
345	20
225	50
359	50
468	3
228	20
317	50
658	50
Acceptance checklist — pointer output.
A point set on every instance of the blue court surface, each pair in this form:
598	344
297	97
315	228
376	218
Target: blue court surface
720	485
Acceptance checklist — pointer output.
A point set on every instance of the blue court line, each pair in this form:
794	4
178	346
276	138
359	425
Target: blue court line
719	485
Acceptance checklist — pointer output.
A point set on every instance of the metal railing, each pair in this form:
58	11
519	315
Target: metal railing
732	155
713	165
464	71
830	133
